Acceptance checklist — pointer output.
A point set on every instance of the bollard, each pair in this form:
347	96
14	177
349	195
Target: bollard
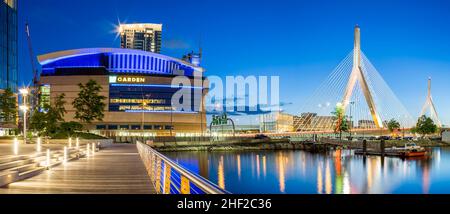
87	149
78	144
65	155
38	145
364	147
93	148
48	158
70	142
382	147
16	146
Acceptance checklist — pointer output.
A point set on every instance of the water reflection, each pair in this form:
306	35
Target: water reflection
221	174
257	166
281	172
238	159
336	172
264	167
319	179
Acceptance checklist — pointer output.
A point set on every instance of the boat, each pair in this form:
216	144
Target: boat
414	153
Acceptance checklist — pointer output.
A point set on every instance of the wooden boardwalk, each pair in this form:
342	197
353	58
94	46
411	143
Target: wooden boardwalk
117	169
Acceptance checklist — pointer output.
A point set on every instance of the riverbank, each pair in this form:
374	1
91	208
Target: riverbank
244	145
282	144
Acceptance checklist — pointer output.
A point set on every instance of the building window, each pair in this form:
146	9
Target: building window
135	127
101	127
158	127
112	127
168	127
124	127
148	127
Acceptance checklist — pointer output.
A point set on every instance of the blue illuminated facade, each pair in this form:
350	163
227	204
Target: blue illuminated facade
116	61
137	86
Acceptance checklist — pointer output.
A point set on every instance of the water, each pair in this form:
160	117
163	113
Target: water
336	172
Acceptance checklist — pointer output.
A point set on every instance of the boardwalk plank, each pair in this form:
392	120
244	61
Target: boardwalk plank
115	170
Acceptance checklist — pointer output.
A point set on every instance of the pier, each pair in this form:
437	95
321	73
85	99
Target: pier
117	169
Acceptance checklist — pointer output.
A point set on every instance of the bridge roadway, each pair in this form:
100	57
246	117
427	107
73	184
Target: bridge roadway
116	169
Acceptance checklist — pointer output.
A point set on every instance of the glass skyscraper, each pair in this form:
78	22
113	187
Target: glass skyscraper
8	44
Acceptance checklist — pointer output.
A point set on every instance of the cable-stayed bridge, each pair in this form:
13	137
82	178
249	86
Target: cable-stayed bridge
356	88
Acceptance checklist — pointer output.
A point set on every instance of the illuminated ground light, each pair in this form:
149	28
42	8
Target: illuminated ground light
48	162
16	146
38	145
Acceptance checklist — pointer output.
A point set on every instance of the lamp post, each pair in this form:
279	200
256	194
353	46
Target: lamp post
24	92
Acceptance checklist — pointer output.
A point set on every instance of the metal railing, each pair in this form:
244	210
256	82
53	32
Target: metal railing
169	177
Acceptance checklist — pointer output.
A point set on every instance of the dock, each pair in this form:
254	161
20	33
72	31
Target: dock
393	153
379	153
117	169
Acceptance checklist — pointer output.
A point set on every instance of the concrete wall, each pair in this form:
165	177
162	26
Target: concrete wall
446	136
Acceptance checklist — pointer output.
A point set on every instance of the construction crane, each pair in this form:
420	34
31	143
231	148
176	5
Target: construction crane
35	87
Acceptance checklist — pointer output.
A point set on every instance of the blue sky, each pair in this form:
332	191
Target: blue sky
301	41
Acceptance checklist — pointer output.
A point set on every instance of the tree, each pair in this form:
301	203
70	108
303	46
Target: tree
38	122
8	111
57	110
393	125
425	125
46	120
340	120
89	104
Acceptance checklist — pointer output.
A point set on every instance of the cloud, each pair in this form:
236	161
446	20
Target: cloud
175	44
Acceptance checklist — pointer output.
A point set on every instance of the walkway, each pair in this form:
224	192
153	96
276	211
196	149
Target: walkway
117	169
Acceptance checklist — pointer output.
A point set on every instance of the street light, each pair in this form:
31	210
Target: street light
24	92
24	108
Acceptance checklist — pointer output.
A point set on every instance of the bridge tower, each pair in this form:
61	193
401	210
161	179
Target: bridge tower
357	75
429	104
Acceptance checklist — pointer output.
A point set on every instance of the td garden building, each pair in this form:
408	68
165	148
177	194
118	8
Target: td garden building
137	85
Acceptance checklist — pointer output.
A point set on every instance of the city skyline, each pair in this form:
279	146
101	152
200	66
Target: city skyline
407	40
224	97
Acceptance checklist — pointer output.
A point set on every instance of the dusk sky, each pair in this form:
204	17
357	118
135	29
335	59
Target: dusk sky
301	41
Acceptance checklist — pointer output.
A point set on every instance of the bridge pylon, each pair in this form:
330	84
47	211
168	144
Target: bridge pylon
429	104
357	74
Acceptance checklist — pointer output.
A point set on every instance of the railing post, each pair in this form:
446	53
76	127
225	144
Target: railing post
152	166
167	175
160	171
185	187
158	175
